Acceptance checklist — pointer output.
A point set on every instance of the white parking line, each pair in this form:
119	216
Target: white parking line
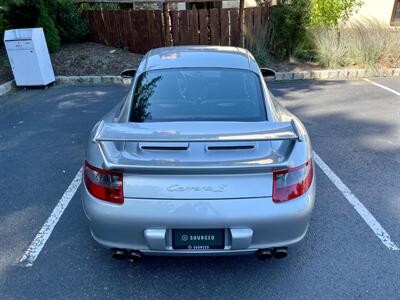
41	238
383	87
44	233
377	228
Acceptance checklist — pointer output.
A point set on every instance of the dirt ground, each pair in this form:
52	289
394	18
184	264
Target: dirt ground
92	59
81	59
296	66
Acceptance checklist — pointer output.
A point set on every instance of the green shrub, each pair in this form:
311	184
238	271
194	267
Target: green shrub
332	12
289	25
257	43
364	44
370	43
70	24
50	30
3	25
305	48
64	14
101	6
21	14
330	50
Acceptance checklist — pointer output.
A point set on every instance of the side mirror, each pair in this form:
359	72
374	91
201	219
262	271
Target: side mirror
128	73
267	72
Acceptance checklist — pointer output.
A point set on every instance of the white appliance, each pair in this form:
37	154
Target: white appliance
29	57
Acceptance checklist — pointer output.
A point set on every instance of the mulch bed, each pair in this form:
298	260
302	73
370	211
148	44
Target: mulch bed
82	59
92	59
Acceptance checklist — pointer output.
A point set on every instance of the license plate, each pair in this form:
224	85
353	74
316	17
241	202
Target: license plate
198	239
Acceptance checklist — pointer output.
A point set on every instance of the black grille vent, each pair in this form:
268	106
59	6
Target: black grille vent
237	147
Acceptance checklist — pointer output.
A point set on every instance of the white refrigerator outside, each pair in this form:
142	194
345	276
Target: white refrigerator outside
29	57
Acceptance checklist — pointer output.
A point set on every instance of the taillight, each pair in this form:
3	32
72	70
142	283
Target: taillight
293	182
104	185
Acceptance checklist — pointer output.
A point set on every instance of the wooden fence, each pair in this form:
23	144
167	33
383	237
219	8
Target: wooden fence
140	31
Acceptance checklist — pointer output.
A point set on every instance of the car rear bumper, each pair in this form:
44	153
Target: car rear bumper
250	224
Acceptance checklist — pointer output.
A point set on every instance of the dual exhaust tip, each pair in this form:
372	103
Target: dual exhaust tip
262	254
131	255
266	254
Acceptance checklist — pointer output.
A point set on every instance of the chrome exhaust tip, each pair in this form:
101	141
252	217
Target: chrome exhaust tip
280	253
134	256
264	254
118	254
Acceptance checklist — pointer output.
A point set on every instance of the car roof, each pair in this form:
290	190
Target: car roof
198	57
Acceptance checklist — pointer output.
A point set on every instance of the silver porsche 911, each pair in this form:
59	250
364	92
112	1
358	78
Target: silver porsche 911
198	159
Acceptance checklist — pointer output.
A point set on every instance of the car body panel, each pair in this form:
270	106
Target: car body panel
272	225
198	186
172	179
197	57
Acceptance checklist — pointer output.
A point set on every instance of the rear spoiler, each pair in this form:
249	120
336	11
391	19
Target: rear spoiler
107	134
233	132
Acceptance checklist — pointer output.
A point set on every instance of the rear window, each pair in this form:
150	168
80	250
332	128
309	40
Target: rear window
198	95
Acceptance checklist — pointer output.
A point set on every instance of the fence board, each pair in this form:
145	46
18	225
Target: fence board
125	29
154	20
265	10
111	22
133	37
158	23
109	31
143	37
97	21
215	26
224	18
118	25
235	27
248	30
194	27
175	27
184	38
203	27
143	30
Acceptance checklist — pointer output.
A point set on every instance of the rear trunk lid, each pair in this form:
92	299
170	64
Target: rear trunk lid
197	160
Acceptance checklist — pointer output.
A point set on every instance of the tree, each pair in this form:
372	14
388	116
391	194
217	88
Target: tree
326	13
50	30
70	24
289	25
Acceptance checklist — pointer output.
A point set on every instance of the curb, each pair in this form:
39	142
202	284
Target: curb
109	79
9	87
336	74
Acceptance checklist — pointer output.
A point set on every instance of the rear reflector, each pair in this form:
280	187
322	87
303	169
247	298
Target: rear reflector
293	182
104	185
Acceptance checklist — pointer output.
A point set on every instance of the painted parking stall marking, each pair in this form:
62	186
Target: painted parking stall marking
382	86
373	223
33	251
44	233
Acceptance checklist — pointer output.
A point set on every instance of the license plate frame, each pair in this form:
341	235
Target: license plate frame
198	239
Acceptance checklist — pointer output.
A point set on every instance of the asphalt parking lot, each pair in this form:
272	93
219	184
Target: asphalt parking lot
355	130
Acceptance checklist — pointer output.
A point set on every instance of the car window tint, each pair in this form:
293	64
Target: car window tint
198	95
